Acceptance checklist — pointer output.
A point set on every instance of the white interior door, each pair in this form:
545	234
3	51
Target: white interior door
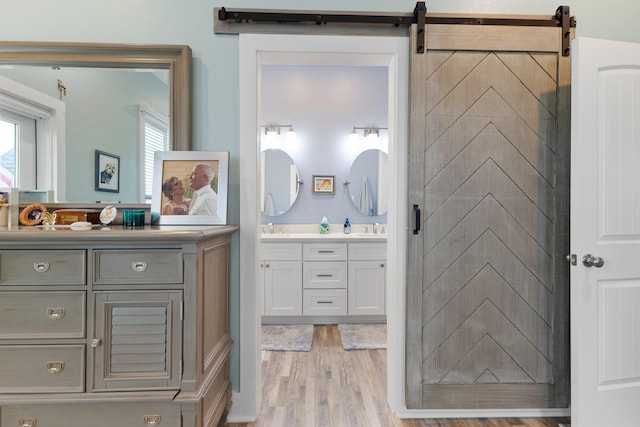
605	222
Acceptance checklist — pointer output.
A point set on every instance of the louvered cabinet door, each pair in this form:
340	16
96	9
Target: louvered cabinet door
136	342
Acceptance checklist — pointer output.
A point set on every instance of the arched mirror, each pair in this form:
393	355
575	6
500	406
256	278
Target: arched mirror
366	182
280	182
122	68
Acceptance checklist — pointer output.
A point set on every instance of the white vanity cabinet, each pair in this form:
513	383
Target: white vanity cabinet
323	280
367	263
114	327
281	276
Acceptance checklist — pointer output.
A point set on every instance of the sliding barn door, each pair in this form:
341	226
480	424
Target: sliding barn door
488	284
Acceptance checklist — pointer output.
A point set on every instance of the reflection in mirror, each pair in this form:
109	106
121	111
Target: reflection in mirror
280	182
84	77
366	182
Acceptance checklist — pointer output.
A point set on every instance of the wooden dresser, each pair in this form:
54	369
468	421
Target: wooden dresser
114	327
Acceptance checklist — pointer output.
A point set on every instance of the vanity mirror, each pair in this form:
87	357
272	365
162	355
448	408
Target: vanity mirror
366	182
280	182
70	169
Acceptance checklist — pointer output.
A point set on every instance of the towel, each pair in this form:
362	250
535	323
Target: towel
268	205
365	204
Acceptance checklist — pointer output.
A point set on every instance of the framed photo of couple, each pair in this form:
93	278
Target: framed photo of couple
190	187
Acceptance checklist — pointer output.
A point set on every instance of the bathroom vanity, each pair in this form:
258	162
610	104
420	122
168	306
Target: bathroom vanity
114	327
315	278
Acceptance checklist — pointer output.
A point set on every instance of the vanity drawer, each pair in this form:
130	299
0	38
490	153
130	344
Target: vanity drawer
325	252
83	414
281	251
27	267
25	315
42	368
324	275
367	251
138	266
324	302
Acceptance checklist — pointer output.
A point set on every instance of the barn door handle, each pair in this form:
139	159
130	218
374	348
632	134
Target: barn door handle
416	210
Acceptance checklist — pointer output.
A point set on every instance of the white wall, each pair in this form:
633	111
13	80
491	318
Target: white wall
215	73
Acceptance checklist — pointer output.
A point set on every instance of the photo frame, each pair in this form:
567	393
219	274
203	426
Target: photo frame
107	172
324	184
180	195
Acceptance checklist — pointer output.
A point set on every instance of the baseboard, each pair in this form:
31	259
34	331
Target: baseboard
483	413
240	413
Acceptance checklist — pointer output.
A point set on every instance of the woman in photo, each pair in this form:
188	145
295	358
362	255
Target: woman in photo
173	189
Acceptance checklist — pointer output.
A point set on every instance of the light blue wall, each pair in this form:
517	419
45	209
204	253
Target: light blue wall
215	74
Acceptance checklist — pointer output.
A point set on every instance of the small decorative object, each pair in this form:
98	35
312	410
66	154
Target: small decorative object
81	225
32	214
107	172
132	218
190	187
69	216
49	219
107	215
4	212
324	184
9	197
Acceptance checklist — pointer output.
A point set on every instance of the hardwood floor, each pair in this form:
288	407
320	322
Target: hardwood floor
331	387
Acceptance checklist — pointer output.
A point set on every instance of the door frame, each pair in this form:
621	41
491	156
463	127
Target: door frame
258	49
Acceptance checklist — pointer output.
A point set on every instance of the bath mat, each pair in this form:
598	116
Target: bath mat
287	337
363	336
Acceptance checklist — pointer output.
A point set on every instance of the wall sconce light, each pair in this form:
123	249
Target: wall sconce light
369	133
273	129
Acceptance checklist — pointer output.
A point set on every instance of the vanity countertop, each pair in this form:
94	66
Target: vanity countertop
317	237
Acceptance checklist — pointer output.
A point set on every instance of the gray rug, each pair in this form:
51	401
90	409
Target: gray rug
363	336
287	337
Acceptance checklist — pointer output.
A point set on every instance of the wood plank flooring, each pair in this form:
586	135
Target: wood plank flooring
331	387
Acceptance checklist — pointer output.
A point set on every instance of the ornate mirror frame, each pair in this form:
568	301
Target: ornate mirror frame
175	58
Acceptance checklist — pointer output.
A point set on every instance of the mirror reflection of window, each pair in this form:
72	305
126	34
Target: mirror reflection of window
154	136
367	182
279	183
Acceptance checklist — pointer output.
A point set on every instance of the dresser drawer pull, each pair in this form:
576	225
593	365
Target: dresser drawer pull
139	265
55	367
40	267
152	420
325	252
55	313
27	422
325	302
324	275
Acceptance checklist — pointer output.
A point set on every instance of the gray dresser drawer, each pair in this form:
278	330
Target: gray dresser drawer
138	266
42	368
83	414
42	314
55	267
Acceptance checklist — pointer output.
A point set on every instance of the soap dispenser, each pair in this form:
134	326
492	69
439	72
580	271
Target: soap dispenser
324	225
347	226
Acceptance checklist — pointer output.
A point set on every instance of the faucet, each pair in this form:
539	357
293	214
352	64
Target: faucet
375	228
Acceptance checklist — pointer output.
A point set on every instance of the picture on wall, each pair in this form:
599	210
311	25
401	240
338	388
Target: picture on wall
190	187
107	172
324	184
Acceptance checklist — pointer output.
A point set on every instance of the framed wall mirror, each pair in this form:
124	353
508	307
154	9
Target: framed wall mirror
69	72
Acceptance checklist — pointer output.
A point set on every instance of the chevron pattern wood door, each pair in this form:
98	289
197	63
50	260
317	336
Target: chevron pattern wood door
492	175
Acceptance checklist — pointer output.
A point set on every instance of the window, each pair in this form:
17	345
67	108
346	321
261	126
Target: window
32	139
18	125
154	136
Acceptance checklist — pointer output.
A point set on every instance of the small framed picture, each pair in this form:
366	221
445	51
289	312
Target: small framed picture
190	187
107	172
324	184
